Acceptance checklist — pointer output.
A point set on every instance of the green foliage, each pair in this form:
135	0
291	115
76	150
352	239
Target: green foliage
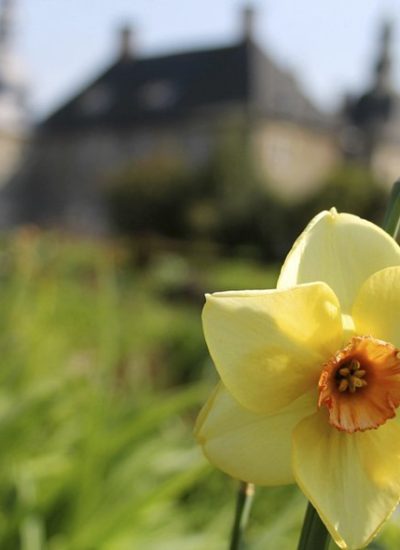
349	188
352	188
226	201
90	457
223	201
232	199
96	422
228	183
150	196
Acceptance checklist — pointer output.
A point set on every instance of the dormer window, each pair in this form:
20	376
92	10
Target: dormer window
158	95
95	101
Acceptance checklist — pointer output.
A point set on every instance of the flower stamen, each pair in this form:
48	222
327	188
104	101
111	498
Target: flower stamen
350	377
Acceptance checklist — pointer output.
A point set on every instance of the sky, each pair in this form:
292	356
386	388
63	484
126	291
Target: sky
329	44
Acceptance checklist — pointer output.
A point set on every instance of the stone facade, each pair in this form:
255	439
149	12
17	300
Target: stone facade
295	159
12	148
14	127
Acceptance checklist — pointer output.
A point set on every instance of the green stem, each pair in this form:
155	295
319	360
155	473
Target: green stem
391	223
314	534
243	505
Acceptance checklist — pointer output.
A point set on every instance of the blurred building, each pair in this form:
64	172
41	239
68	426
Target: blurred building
176	104
13	110
180	105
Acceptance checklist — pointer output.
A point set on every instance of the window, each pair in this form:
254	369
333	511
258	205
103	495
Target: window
96	101
158	95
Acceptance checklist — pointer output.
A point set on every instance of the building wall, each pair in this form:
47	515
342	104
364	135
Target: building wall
66	175
12	148
386	163
294	159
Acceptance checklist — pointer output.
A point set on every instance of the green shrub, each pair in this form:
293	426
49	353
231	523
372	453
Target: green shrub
226	201
352	188
349	188
150	196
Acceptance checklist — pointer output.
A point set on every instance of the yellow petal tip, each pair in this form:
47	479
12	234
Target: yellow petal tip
334	213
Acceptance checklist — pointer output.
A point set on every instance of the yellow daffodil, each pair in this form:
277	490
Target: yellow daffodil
310	377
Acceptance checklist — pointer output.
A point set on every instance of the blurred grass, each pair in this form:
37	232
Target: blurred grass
103	370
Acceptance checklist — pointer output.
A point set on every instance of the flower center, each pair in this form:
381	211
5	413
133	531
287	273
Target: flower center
350	376
360	384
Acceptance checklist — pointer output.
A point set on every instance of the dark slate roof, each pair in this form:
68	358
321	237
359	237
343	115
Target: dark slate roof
277	93
370	108
164	88
376	111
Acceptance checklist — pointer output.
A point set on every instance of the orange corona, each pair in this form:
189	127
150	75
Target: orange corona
360	384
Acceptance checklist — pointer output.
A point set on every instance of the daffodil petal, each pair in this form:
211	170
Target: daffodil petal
353	480
249	446
269	346
343	251
376	310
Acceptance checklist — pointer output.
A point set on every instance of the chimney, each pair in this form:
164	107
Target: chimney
384	61
125	46
248	18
